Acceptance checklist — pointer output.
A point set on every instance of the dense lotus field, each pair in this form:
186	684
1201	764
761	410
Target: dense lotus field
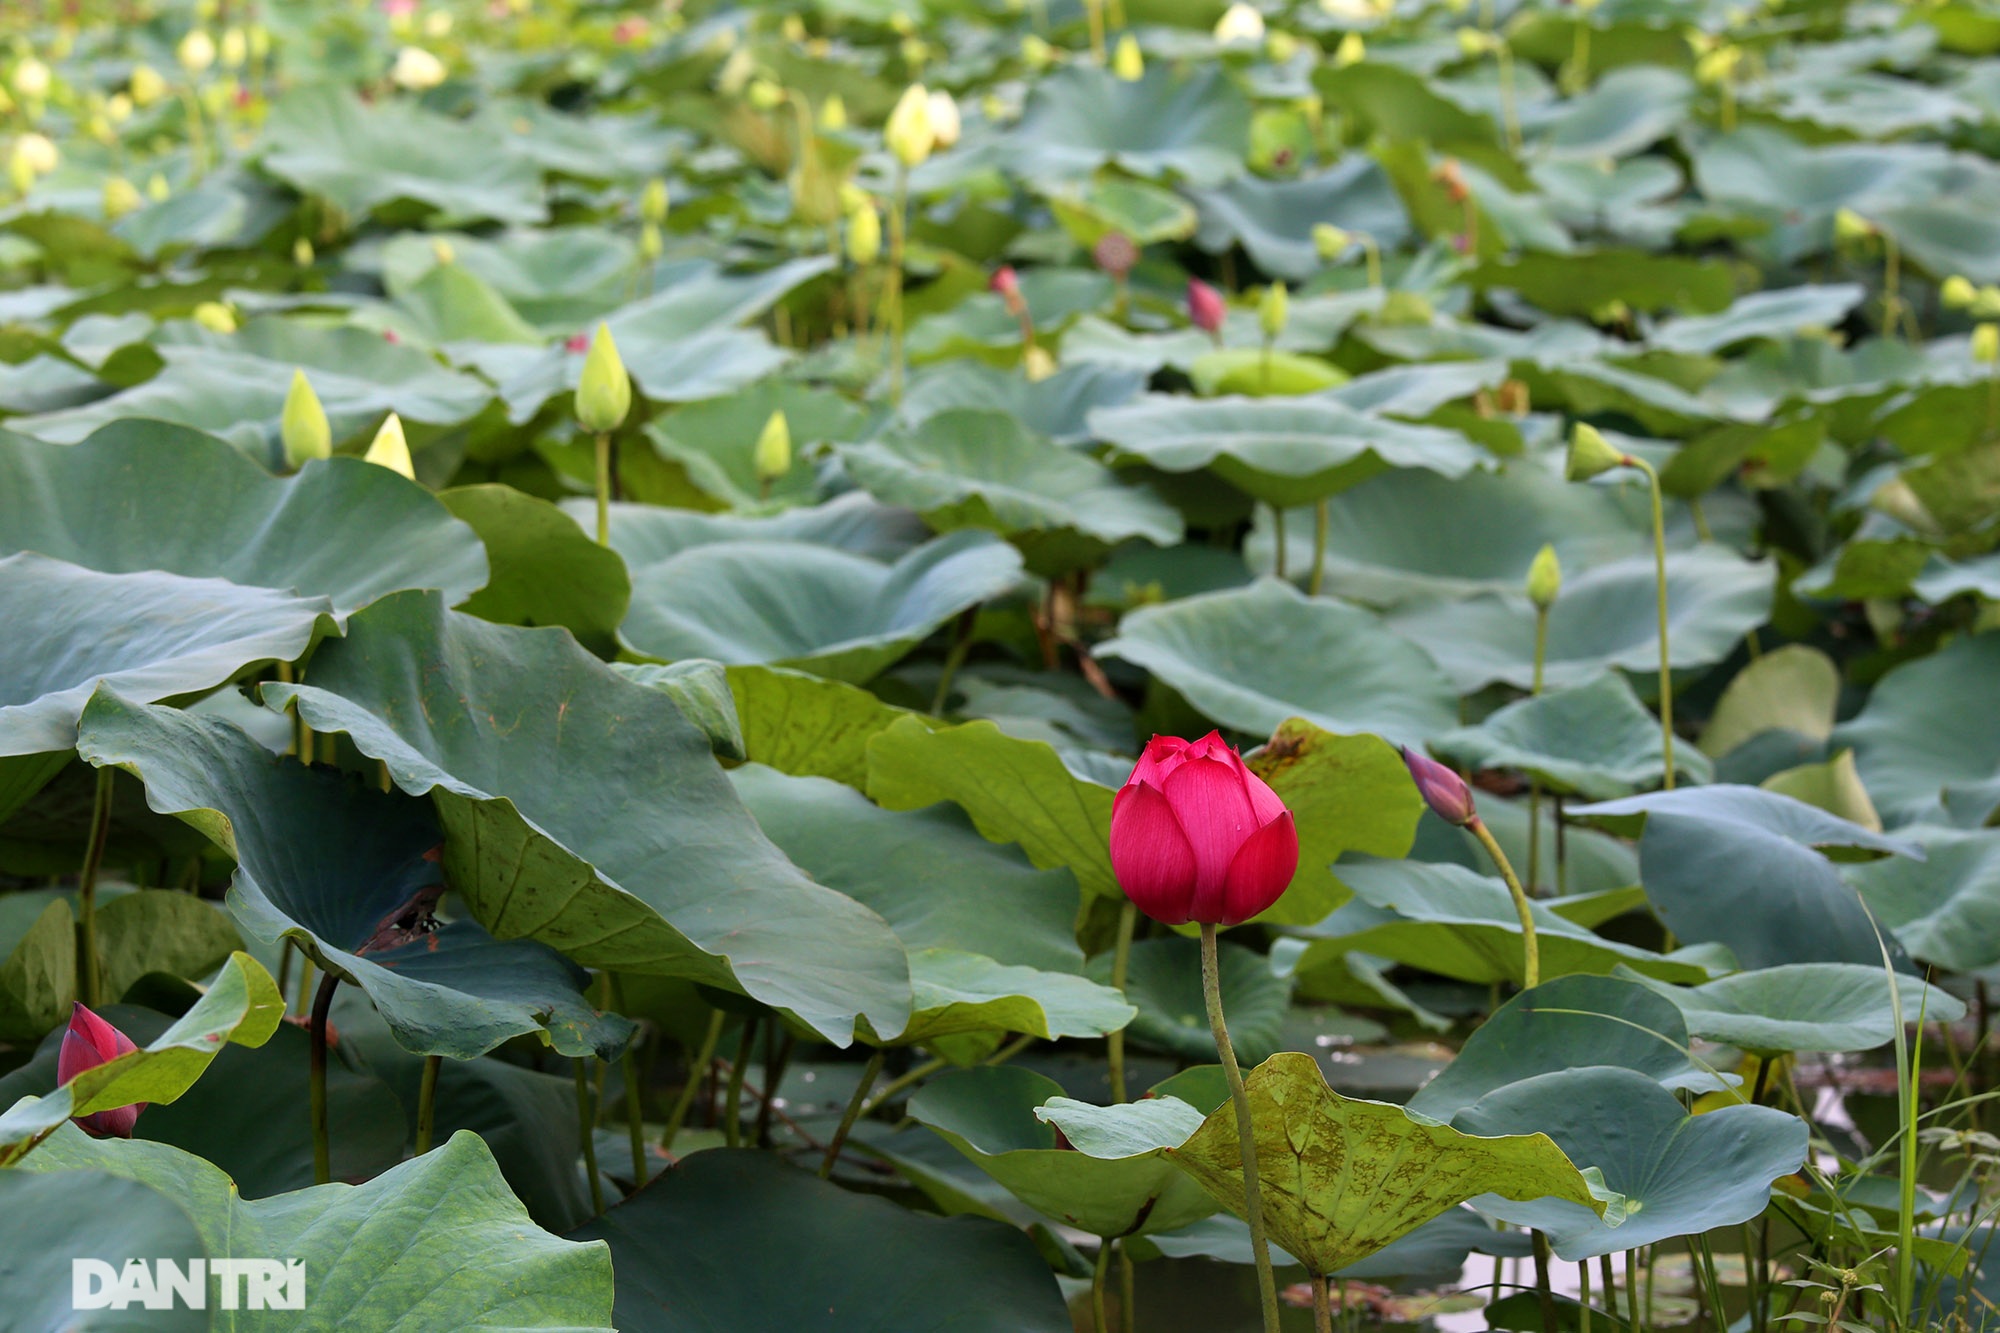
999	666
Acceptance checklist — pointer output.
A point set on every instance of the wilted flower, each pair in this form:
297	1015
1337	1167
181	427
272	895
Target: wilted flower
1443	791
1196	836
303	428
88	1043
391	449
604	394
1115	253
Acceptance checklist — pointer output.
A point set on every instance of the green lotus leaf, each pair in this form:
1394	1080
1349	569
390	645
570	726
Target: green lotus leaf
38	971
1928	741
1596	740
1274	219
646	535
1793	689
709	449
558	279
1144	214
700	689
1082	118
54	1221
1807	1007
1944	909
545	570
1164	982
809	726
1058	407
1775	314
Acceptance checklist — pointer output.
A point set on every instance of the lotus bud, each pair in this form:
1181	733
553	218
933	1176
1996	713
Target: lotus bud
833	114
1718	65
764	95
303	429
260	41
32	79
1037	364
946	125
1443	791
1206	307
1545	578
653	201
908	132
1281	47
146	85
651	245
1849	227
1590	454
1473	43
157	188
1126	61
1331	241
437	23
1036	53
1273	310
736	72
794	28
1985	303
774	449
1351	51
118	108
390	449
1196	836
1986	344
993	108
913	52
443	251
234	48
604	395
1958	293
1007	283
302	252
88	1043
864	235
1239	25
20	174
215	317
120	197
196	52
416	70
38	152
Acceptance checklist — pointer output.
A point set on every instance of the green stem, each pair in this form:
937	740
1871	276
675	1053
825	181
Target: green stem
604	488
1583	1296
1278	528
1508	113
1531	969
1543	1291
1246	1133
1660	579
1892	264
1562	850
1121	958
1322	520
902	1081
898	239
697	1069
1128	1302
1098	1272
90	977
586	1120
427	1104
869	1073
1535	784
1632	1290
1610	1284
961	645
1373	252
635	1101
322	1148
1094	11
1909	1072
1322	1305
1265	363
732	1102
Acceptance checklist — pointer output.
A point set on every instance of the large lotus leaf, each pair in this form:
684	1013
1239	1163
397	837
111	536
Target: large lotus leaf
1577	284
1808	1007
1164	983
1083	117
1596	740
52	1222
450	305
810	726
325	141
1383	545
1283	451
1452	921
1627	111
149	635
557	279
233	385
1681	1174
640	858
856	1263
709	449
545	569
700	689
1058	406
1346	794
1944	909
144	495
1339	1178
38	972
1928	741
241	1005
1775	314
1253	657
976	469
1274	219
792	604
1793	689
1563	1024
1737	866
646	535
1398	103
350	874
1014	791
1606	617
988	1114
159	930
1110	203
989	936
438	1242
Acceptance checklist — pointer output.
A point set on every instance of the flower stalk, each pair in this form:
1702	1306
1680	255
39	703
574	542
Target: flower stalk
1246	1132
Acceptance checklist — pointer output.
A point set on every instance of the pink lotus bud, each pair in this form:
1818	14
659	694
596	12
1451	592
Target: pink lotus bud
1205	306
1443	791
1007	283
89	1043
1196	836
577	342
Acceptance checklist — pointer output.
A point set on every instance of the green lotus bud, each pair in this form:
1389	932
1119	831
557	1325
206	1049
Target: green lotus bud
1545	578
1331	241
651	244
1957	292
653	201
774	449
1036	53
215	317
1273	310
864	235
604	395
120	197
1985	303
1850	227
32	79
1281	47
1126	62
390	448
235	48
908	132
147	85
1351	51
303	429
1590	454
1986	344
764	95
833	114
302	252
196	52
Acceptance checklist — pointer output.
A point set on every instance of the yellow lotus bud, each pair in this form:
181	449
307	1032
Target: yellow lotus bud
1126	61
1985	303
833	114
1545	578
1718	64
852	196
157	188
993	108
1036	53
1037	364
215	317
736	72
1331	241
1957	292
303	428
417	70
218	96
20	173
945	124
774	449
604	395
764	95
1472	42
653	202
196	52
302	252
443	251
34	155
120	197
1273	310
1239	25
147	85
390	449
234	49
1850	227
651	245
864	235
1590	453
1986	344
437	23
31	79
908	132
118	108
1351	51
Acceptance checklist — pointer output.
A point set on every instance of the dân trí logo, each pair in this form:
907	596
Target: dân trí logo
164	1284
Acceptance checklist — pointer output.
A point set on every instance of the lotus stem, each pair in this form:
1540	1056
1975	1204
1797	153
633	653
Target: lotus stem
427	1104
898	240
902	1081
1098	1272
1583	1296
1128	1303
89	972
1322	1305
604	488
305	985
1278	529
697	1068
586	1121
1632	1290
1322	521
1660	579
732	1104
869	1073
635	1100
1543	1291
1094	11
1246	1133
322	1148
1535	783
1531	967
1121	958
961	646
1508	112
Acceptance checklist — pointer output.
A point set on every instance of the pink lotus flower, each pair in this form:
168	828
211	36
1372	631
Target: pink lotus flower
1443	791
1196	836
89	1043
1205	306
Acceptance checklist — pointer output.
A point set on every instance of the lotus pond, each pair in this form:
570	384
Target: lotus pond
1006	666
